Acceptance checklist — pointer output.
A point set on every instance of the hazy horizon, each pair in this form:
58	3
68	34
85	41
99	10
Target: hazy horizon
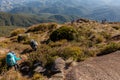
92	9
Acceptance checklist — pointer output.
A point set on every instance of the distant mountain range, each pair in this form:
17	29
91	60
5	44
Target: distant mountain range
93	9
110	14
7	19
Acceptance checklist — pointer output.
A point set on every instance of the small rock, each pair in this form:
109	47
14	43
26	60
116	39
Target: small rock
25	69
39	69
58	65
37	64
73	64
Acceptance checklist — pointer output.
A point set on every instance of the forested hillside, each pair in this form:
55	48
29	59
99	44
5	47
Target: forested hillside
7	19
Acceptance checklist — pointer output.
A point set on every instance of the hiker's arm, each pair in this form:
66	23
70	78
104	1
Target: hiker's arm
17	59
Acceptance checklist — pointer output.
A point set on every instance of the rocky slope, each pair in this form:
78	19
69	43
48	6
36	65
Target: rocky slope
100	68
64	59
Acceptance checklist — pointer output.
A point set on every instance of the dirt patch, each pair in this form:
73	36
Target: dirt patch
3	51
2	39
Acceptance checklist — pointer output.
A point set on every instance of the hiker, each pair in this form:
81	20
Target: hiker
11	60
19	39
104	21
72	21
33	44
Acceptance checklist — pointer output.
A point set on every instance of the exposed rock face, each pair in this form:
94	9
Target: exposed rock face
58	69
58	65
38	67
101	68
116	37
24	68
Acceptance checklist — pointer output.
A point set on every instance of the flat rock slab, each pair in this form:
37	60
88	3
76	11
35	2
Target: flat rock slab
105	67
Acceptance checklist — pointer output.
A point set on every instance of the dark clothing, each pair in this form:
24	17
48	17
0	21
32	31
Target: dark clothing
33	45
19	39
16	67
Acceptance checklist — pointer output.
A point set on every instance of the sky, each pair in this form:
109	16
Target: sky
110	2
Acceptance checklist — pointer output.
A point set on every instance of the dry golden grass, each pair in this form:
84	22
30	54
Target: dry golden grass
17	31
42	27
38	76
13	75
92	38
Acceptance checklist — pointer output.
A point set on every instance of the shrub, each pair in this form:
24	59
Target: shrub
47	55
43	54
3	45
57	43
5	30
24	37
111	47
52	26
42	27
116	27
63	33
90	52
71	52
3	66
99	39
96	38
17	31
38	76
106	35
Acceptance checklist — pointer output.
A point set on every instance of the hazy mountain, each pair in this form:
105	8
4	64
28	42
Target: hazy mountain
17	20
95	9
7	19
109	13
51	6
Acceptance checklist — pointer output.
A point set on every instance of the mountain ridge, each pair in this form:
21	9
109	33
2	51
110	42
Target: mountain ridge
96	10
25	20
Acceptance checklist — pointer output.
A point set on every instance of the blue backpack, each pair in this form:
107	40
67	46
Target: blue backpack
11	59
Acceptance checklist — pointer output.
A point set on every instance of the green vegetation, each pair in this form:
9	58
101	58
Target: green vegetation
42	27
63	32
109	48
47	55
5	30
38	76
43	54
7	19
17	31
73	52
77	41
3	66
